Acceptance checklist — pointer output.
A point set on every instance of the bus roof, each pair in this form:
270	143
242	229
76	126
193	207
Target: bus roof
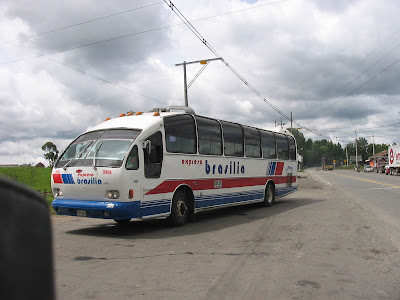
145	120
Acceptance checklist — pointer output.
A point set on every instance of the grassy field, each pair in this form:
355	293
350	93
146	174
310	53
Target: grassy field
36	178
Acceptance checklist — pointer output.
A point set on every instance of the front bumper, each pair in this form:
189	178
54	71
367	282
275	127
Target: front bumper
97	209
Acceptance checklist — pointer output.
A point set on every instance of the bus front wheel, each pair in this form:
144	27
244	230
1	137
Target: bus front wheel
179	209
269	196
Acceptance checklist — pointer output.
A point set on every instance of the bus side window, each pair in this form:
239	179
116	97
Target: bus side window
233	139
282	145
209	133
180	134
153	156
268	144
292	148
132	163
252	142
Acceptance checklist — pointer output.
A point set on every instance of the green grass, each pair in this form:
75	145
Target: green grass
37	179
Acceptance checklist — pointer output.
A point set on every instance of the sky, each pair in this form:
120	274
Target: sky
65	66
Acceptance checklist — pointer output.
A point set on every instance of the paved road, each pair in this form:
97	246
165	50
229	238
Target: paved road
381	193
317	243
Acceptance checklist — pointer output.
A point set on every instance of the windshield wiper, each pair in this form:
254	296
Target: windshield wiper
94	156
77	156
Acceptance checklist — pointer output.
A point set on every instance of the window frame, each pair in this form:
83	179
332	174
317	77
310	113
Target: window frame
292	150
248	133
265	133
199	139
167	136
284	138
234	144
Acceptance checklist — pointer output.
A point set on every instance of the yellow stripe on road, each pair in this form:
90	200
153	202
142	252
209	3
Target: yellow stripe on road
372	181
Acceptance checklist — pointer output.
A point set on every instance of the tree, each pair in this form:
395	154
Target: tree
51	153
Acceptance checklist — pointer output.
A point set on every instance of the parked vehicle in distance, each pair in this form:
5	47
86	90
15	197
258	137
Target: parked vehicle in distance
368	168
394	160
327	163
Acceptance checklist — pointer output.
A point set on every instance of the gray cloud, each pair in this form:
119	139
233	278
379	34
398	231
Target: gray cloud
299	54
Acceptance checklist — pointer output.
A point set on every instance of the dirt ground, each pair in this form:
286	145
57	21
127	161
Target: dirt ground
313	244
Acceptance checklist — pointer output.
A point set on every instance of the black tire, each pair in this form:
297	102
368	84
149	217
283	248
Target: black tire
179	209
269	196
123	221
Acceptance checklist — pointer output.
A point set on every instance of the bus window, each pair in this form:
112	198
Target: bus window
153	156
268	144
180	134
292	148
132	163
252	142
109	147
233	139
282	146
209	135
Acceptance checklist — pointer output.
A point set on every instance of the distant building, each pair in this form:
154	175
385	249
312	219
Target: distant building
39	165
9	166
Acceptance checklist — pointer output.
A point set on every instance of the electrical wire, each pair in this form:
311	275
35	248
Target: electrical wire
208	45
128	35
81	23
91	75
319	109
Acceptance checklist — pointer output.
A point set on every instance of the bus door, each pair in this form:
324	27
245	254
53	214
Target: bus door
153	201
133	174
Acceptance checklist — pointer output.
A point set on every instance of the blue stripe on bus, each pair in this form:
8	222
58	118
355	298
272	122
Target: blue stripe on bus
272	167
67	178
228	198
284	191
155	207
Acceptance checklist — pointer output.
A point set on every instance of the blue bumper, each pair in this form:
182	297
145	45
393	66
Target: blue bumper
97	209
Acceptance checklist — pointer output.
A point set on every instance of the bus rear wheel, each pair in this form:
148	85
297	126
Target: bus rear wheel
269	196
179	209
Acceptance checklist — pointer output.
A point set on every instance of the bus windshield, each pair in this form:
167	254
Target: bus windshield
105	148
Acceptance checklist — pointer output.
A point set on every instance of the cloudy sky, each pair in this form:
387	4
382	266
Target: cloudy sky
67	65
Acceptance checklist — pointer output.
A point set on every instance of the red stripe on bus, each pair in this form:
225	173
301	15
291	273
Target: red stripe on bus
279	168
169	186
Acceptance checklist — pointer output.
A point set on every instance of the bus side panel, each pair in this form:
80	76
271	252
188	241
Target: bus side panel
219	180
226	197
155	207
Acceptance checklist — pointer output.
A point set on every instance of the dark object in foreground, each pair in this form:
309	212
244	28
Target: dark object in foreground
26	259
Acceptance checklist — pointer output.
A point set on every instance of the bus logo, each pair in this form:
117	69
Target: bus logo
275	168
63	178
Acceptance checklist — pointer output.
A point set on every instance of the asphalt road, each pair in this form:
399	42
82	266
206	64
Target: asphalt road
378	191
321	242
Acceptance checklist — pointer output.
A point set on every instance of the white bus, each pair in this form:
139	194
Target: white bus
171	163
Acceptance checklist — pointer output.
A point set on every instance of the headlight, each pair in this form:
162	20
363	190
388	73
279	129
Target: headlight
57	192
113	194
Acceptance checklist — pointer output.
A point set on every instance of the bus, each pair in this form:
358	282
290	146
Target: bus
171	163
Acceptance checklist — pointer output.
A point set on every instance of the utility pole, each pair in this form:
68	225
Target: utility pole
356	149
373	144
185	84
203	62
291	123
347	157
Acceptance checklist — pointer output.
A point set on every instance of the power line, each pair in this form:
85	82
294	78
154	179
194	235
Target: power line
91	75
127	35
319	109
335	129
81	23
209	46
